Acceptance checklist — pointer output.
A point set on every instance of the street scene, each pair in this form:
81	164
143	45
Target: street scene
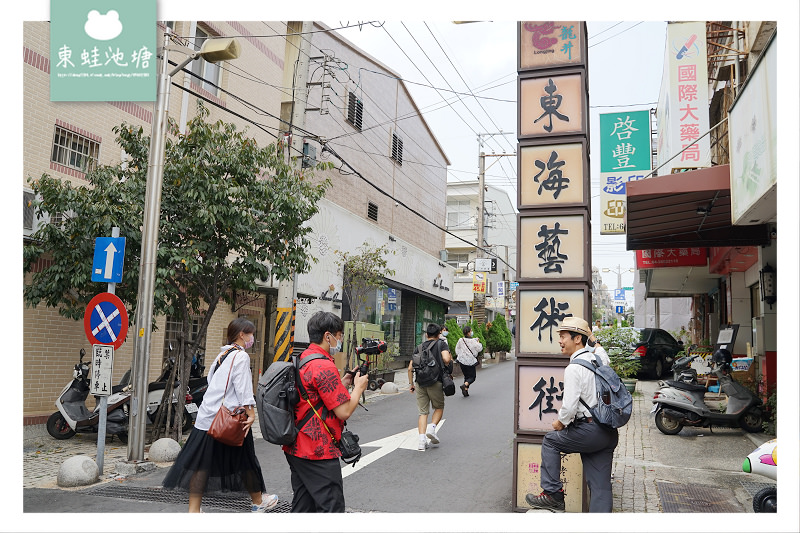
473	274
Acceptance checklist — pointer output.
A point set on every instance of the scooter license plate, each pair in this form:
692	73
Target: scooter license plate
654	409
191	408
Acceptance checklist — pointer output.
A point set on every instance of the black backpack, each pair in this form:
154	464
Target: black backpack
276	397
425	363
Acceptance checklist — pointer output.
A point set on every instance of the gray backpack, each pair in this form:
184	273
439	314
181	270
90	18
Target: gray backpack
614	402
277	395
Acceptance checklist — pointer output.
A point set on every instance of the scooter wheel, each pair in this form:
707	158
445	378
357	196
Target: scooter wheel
372	385
58	427
666	425
752	421
766	500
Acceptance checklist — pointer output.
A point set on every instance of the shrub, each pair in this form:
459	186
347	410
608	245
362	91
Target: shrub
498	336
618	342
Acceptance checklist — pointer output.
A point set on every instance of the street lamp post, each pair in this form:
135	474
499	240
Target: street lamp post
213	50
619	272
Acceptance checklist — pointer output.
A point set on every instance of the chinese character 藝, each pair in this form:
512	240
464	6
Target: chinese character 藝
550	248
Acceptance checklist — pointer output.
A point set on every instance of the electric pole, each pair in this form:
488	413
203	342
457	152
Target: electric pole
287	290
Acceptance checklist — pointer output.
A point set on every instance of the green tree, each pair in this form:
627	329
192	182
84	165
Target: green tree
618	344
231	214
498	336
454	332
362	273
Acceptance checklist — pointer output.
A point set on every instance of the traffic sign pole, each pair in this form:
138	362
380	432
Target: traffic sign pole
103	406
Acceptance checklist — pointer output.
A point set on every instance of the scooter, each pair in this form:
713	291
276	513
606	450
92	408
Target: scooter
764	460
155	392
677	404
198	383
73	416
682	369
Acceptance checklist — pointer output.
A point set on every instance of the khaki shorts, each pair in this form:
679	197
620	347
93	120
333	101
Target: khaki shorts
431	395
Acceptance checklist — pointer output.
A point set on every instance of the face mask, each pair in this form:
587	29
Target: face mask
444	334
249	343
336	349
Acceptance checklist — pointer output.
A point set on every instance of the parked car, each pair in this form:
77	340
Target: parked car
656	349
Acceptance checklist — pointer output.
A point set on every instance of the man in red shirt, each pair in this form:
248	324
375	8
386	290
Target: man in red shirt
314	457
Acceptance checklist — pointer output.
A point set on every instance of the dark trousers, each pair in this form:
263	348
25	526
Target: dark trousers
317	485
469	373
596	446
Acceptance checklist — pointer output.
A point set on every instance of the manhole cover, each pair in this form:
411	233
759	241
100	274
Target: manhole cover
231	502
691	498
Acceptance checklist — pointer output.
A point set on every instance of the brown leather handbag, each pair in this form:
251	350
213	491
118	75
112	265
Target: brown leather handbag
228	426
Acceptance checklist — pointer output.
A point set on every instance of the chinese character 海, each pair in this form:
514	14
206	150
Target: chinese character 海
551	391
555	180
550	105
550	248
64	54
552	319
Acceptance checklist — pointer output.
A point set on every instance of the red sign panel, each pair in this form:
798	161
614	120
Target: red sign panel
106	320
671	257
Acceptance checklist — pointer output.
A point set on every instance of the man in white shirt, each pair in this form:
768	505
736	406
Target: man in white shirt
574	430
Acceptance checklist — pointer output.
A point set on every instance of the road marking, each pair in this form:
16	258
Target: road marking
406	440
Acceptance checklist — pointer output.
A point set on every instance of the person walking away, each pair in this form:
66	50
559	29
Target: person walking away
314	457
205	465
430	395
575	431
467	351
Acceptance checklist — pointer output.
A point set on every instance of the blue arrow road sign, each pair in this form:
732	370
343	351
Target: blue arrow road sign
109	253
620	309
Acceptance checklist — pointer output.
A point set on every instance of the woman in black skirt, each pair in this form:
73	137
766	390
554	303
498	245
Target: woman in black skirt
205	465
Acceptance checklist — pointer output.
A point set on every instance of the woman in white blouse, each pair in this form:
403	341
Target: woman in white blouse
467	351
205	465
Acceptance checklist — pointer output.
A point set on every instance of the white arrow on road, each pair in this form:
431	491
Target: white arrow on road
407	440
110	251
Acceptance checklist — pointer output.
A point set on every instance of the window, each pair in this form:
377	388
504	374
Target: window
355	111
209	72
397	149
457	260
372	211
459	214
74	151
172	332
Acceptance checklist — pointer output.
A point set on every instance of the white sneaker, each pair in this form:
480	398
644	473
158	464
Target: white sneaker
431	434
423	444
268	501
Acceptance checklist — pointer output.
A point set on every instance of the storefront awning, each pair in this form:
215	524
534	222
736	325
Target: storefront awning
689	209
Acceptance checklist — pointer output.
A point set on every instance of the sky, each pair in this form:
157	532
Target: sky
440	58
625	59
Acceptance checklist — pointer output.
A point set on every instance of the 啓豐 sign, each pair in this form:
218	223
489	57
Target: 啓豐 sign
625	156
102	50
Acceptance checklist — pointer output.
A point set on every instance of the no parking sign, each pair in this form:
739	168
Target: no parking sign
106	320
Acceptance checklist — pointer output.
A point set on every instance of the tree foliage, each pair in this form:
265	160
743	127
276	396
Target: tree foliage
232	213
498	336
362	273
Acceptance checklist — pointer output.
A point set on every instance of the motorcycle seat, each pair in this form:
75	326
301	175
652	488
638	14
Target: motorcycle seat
685	386
158	385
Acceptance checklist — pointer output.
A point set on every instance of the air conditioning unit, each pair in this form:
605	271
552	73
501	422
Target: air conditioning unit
30	222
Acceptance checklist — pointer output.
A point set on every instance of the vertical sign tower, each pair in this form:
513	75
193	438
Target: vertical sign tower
553	237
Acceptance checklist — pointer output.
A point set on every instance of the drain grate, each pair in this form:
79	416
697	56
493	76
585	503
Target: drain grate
691	498
752	487
231	502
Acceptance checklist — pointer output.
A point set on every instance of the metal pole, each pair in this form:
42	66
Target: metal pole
147	269
103	406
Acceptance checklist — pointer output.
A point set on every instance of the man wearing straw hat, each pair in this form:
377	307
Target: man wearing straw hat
574	430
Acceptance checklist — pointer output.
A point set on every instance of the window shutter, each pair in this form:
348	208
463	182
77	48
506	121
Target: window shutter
355	111
397	149
372	211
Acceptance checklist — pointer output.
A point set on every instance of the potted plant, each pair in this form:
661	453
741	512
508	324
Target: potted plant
618	343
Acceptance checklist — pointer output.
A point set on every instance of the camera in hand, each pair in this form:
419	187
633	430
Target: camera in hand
368	347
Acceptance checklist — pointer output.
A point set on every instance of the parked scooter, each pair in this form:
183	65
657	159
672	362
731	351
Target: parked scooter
682	369
198	383
73	416
677	404
764	460
155	392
